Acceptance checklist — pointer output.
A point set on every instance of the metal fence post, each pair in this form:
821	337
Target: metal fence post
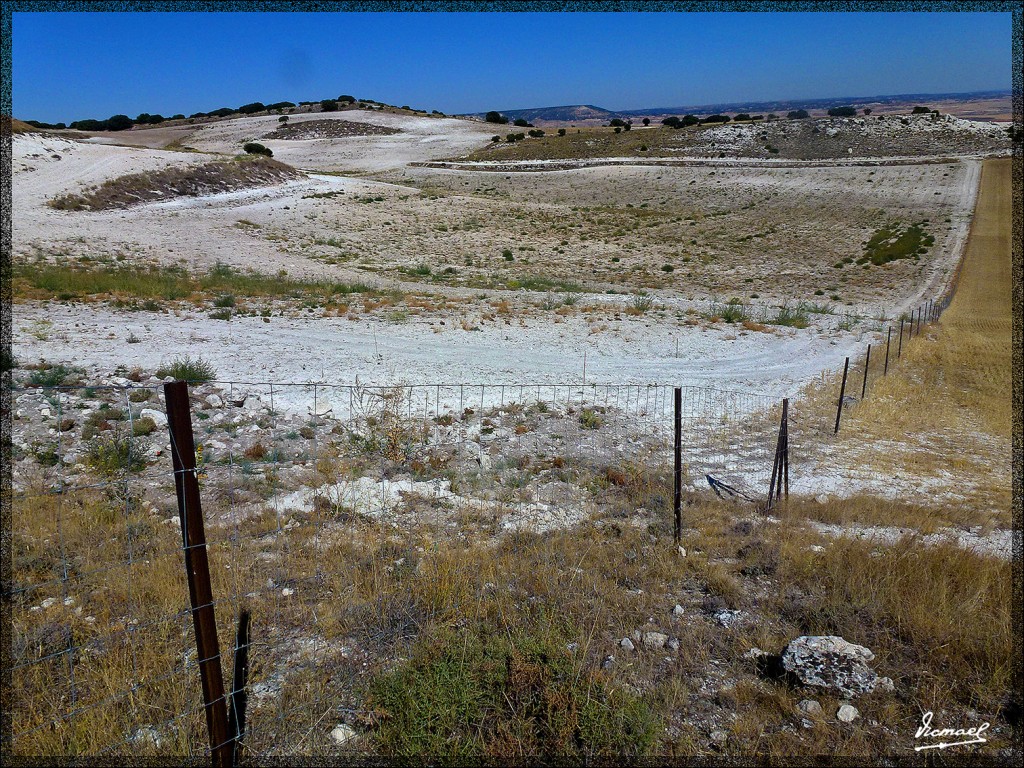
867	364
899	351
677	497
888	340
842	393
197	570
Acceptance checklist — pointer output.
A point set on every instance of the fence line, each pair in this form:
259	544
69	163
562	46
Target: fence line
299	481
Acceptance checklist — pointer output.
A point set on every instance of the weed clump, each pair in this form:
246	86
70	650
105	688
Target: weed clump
188	369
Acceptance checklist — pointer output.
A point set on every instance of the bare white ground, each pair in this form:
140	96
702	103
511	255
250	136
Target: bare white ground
337	350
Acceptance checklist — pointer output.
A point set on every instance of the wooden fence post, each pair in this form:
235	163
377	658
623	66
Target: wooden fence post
888	340
867	363
842	393
677	497
197	570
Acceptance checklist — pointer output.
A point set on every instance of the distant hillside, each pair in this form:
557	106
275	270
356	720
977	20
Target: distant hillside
583	113
566	114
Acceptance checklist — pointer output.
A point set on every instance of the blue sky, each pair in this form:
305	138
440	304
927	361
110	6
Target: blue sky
69	66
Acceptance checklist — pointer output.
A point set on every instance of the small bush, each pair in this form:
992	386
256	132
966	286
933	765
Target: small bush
110	455
791	316
187	369
50	376
142	427
255	148
640	303
589	419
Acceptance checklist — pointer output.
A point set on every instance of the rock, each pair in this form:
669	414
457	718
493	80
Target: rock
886	685
159	418
637	635
672	644
821	498
755	653
809	707
678	610
48	602
682	551
831	662
626	644
342	733
727	617
287	591
609	662
806	723
654	640
719	736
214	401
847	713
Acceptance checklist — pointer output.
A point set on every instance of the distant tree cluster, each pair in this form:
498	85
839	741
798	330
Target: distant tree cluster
684	122
536	133
798	114
842	112
52	126
512	138
521	122
329	105
495	117
920	110
114	123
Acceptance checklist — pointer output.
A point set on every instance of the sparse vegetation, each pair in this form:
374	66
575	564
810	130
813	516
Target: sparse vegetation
189	369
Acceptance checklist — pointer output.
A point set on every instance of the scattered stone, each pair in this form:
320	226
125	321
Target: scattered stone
727	617
654	640
847	713
287	591
821	498
831	662
807	723
626	644
809	707
719	736
672	644
214	401
682	551
678	610
146	735
609	662
48	602
755	653
343	733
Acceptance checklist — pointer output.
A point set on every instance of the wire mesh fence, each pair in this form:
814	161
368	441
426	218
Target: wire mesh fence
298	483
310	493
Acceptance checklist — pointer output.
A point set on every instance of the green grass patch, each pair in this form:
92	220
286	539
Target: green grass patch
892	243
188	369
482	694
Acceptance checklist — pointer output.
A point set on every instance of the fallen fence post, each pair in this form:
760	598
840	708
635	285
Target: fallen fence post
888	340
842	393
197	570
677	497
867	363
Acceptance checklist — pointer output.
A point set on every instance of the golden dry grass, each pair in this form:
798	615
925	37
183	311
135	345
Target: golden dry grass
944	412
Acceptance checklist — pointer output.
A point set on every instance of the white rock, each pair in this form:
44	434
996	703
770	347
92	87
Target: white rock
821	498
654	640
159	418
48	602
809	707
672	644
214	401
343	733
678	610
287	592
719	736
847	713
626	644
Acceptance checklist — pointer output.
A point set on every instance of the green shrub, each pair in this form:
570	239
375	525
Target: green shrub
50	376
142	427
110	455
187	369
464	696
225	300
641	302
255	148
589	419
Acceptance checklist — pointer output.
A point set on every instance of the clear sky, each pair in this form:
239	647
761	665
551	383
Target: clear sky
70	66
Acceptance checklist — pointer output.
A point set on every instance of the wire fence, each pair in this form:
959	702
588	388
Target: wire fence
308	491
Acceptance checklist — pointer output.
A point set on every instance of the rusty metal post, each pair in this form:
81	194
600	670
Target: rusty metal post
919	321
239	679
842	393
867	364
677	496
899	351
888	340
197	570
785	445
